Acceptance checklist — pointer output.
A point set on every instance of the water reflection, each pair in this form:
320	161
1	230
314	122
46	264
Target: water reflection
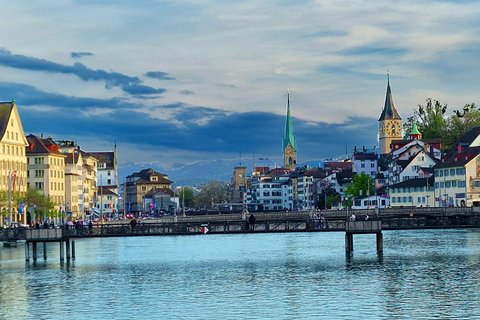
429	274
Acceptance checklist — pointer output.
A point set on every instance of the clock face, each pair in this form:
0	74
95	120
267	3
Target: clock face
393	128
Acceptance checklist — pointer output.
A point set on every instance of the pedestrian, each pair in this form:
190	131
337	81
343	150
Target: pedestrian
315	218
352	217
251	222
367	217
322	221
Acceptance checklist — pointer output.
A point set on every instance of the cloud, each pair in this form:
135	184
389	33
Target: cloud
159	75
131	85
186	92
77	55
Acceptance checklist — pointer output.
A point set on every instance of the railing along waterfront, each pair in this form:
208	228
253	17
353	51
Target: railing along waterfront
294	223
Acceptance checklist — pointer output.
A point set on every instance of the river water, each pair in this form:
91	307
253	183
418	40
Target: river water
422	274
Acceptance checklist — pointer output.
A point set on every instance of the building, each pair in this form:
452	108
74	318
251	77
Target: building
289	143
106	204
271	191
365	162
238	188
389	124
139	184
46	170
160	200
13	160
413	193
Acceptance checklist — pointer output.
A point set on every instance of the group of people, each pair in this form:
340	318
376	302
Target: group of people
354	218
320	222
78	224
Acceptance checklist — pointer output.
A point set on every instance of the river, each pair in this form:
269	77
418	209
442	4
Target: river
421	274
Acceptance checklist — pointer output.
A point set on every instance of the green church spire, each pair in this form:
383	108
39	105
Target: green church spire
289	138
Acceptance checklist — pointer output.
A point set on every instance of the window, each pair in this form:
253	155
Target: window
447	184
441	173
454	184
446	172
419	200
461	184
452	172
372	165
362	165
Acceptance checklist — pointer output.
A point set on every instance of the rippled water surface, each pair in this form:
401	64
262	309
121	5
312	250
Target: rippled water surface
430	274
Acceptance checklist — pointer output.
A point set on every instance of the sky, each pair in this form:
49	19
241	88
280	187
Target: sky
186	80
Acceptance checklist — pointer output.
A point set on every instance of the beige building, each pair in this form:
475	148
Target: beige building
139	184
13	161
46	169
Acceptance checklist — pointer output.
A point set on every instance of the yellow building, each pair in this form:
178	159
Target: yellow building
13	161
46	169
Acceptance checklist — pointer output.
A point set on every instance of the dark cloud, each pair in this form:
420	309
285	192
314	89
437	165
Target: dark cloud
112	79
77	55
189	128
159	75
138	89
186	92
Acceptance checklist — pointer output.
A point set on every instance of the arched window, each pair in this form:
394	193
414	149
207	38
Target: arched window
290	161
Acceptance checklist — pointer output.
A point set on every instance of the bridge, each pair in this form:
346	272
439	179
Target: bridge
335	221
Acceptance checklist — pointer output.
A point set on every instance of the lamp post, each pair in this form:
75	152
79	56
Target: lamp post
183	201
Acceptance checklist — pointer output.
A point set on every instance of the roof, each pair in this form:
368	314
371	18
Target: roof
105	191
419	182
145	174
365	156
459	159
289	137
40	145
5	112
389	111
104	157
414	129
469	136
159	191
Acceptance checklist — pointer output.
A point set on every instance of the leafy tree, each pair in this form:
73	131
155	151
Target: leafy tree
189	196
329	194
460	122
212	193
363	185
430	120
41	204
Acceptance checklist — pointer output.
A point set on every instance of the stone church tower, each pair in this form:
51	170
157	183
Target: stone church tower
389	124
289	144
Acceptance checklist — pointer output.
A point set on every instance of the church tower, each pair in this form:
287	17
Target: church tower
289	145
389	123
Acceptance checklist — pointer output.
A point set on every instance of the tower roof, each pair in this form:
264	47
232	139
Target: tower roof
289	138
414	129
389	111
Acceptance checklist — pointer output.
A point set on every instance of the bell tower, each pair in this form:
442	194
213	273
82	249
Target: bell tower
289	144
389	123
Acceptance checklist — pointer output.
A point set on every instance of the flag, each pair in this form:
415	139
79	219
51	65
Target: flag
129	206
111	204
21	207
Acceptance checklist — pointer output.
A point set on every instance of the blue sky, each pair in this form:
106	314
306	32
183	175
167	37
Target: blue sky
187	80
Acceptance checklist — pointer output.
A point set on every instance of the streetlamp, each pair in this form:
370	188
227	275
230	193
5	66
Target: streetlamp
183	201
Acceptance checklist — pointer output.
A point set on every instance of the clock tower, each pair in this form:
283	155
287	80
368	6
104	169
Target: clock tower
389	123
289	144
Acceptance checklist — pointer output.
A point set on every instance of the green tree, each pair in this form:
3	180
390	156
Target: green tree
189	197
460	122
212	193
430	120
329	194
363	185
34	198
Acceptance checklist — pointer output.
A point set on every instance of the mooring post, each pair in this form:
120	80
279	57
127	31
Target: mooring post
379	241
62	257
73	249
34	246
44	250
27	251
67	248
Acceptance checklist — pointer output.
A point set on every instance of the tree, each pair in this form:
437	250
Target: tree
189	197
430	120
362	186
212	193
460	122
34	198
329	194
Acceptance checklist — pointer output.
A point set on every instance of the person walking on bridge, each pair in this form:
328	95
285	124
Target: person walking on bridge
251	222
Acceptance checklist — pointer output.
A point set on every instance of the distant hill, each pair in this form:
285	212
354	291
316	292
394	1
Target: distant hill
204	171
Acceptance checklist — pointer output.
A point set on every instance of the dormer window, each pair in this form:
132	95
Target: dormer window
153	179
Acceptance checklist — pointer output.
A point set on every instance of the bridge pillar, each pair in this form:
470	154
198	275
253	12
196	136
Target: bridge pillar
62	257
379	241
348	242
73	249
27	251
34	247
67	248
44	250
